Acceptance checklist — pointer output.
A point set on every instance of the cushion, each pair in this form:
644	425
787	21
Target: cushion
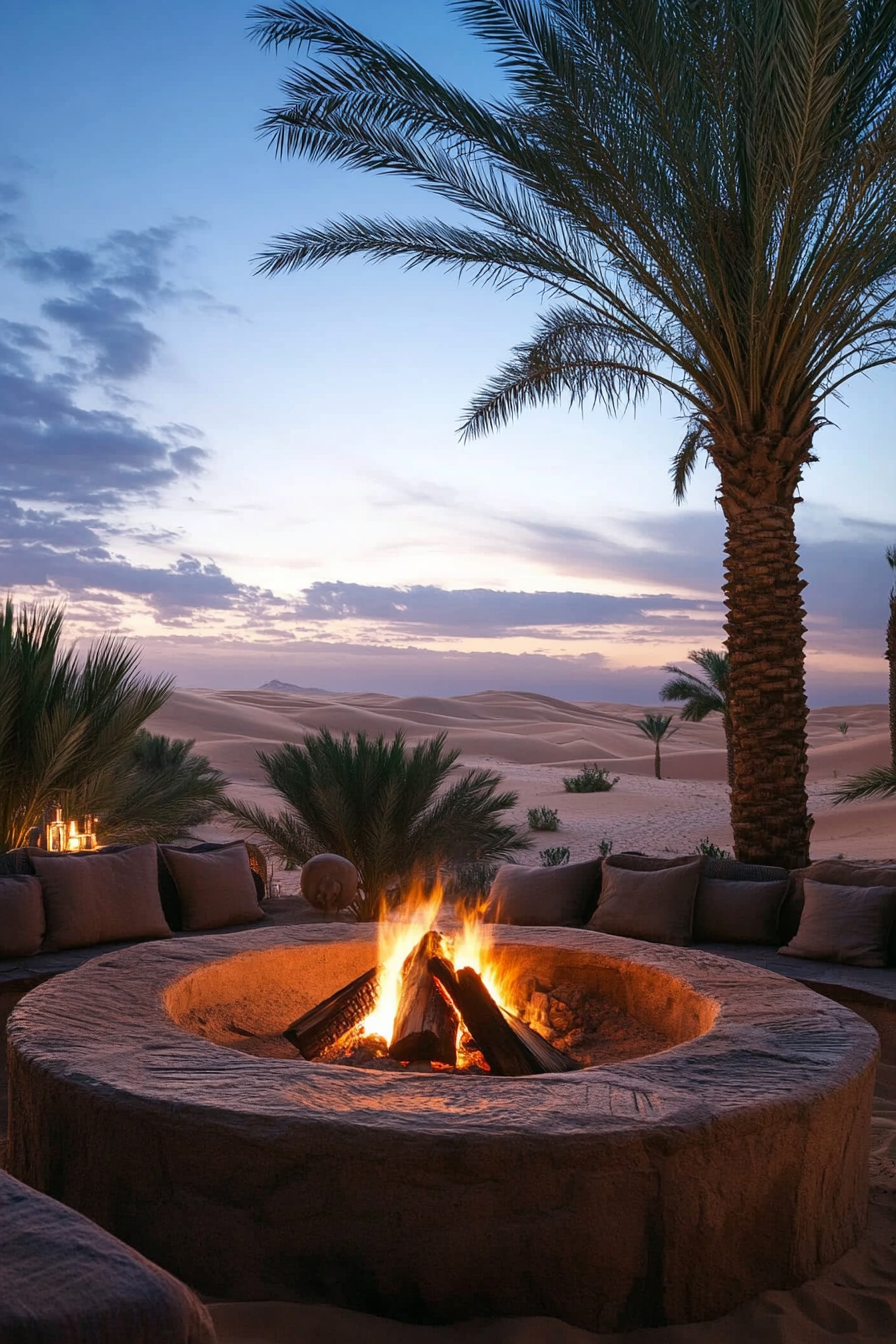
841	873
22	921
561	897
657	906
647	863
732	870
738	912
215	887
100	898
850	925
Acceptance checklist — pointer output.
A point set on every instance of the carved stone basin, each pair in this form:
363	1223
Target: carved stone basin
664	1189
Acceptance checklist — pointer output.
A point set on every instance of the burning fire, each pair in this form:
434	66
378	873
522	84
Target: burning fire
400	933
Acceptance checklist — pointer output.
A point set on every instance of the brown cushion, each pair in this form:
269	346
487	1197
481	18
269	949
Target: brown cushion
656	906
561	897
22	921
840	873
215	888
647	863
845	924
738	912
100	898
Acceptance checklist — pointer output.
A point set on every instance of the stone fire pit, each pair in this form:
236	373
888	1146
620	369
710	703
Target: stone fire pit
663	1189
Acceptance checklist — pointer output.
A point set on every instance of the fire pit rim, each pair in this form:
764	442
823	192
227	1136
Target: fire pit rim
828	1043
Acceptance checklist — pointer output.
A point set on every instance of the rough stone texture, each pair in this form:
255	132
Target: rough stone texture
65	1281
666	1189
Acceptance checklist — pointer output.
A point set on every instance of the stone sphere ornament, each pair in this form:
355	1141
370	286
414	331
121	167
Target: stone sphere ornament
329	882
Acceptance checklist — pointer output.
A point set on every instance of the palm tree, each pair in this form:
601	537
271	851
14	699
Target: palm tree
159	789
703	697
386	806
63	724
880	780
703	192
656	727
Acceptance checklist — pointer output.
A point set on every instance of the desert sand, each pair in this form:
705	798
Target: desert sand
532	741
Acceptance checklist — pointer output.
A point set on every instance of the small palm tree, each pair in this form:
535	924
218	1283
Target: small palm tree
159	789
656	727
63	724
703	697
386	806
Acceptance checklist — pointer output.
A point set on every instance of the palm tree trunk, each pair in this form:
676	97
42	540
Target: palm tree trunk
766	689
656	761
729	749
891	658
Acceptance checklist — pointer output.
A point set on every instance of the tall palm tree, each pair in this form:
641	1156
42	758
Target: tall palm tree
388	807
703	697
656	727
703	192
63	724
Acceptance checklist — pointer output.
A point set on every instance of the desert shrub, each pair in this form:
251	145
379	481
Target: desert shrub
543	819
555	857
711	851
605	848
590	779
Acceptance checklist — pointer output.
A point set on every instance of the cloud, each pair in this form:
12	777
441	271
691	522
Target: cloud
477	611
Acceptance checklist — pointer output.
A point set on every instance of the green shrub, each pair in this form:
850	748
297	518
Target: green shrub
711	851
590	779
554	858
604	848
543	819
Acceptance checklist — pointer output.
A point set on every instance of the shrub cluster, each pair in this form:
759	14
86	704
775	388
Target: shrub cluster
543	819
590	779
555	857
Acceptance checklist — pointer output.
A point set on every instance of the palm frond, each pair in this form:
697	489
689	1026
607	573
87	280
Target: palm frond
878	782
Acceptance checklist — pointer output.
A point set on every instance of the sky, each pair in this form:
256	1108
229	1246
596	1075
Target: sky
262	477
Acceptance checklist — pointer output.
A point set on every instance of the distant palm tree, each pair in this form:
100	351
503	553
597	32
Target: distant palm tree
880	780
159	789
63	724
703	697
703	193
388	807
656	727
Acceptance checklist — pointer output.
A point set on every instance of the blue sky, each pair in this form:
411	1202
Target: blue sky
262	477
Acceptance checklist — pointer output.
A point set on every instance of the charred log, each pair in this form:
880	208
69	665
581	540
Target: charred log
324	1025
426	1022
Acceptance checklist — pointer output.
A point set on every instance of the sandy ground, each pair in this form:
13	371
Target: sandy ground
533	741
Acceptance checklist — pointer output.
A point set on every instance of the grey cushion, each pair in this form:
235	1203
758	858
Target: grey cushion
850	925
22	922
563	897
648	863
657	906
215	888
836	872
738	912
100	898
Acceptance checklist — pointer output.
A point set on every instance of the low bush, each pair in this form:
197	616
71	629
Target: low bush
711	851
543	819
605	848
555	857
590	779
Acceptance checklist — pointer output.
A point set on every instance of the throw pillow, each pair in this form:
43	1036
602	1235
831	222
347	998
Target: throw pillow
215	888
850	925
840	873
22	922
738	912
647	863
657	906
561	897
100	898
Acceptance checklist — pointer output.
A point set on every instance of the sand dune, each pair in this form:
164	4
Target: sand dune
533	740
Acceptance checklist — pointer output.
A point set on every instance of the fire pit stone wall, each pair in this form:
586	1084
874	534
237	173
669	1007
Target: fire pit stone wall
663	1189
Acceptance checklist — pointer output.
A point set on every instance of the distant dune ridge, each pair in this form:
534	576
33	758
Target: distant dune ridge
533	740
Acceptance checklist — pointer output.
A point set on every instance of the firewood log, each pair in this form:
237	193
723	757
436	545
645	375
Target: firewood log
425	1023
322	1026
